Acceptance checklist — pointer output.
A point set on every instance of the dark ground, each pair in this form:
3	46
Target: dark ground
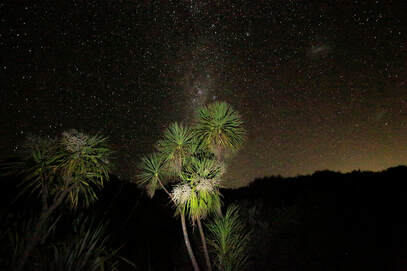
327	221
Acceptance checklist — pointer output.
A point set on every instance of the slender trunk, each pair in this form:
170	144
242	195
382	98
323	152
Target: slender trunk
185	232
208	261
35	238
188	244
163	187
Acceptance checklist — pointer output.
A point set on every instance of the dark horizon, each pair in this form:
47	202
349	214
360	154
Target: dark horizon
348	221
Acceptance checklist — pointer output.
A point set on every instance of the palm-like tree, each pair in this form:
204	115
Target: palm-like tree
68	170
193	156
84	166
219	127
173	148
199	195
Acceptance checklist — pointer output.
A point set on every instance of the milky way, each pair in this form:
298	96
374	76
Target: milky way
199	67
319	86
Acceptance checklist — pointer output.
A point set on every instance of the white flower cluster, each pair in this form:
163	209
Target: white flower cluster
207	185
181	193
74	141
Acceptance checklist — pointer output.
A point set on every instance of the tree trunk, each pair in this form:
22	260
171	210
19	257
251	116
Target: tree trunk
185	232
188	244
208	261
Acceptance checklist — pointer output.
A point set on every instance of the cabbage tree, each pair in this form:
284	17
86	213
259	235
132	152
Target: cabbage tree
63	171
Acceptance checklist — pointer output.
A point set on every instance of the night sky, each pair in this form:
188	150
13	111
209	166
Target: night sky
319	86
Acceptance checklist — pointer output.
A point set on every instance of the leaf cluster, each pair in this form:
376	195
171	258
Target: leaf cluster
86	248
194	158
228	240
220	127
75	162
189	155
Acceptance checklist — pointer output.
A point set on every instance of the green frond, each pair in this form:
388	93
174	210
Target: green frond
84	165
176	145
86	250
199	188
152	172
204	167
75	160
220	127
210	202
228	240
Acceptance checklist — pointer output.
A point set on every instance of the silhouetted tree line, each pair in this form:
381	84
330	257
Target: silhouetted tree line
324	221
327	221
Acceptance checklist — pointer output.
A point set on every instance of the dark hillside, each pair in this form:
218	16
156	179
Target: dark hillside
325	221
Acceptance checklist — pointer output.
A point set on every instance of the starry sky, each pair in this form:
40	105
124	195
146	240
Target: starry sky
319	86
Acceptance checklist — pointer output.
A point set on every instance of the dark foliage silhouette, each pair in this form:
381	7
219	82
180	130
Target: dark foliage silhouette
324	221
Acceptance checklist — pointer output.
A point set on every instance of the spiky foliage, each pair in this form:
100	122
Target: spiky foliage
220	127
75	162
193	158
202	175
176	145
205	174
38	166
174	148
84	166
20	230
87	249
228	240
199	166
151	173
84	252
196	203
68	170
